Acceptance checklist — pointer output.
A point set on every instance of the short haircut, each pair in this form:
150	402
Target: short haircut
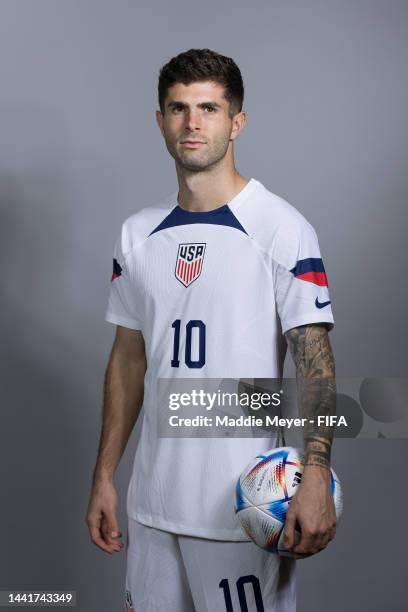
203	65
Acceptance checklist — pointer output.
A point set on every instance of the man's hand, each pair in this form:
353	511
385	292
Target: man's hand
101	517
312	508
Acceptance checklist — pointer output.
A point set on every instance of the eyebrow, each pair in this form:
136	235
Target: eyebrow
201	105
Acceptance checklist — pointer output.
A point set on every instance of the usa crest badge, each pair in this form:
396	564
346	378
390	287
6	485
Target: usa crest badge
189	263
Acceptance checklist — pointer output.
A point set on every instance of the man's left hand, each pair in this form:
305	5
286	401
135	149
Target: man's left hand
312	510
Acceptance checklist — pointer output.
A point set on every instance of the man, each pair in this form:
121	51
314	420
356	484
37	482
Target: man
205	286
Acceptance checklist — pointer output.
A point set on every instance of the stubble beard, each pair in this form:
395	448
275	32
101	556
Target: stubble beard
197	160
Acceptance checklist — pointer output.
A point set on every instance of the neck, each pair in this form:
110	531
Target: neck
207	190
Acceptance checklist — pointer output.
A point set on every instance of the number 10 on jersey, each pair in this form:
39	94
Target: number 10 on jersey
193	324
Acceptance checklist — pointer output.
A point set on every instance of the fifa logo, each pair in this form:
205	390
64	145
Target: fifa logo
258	488
189	262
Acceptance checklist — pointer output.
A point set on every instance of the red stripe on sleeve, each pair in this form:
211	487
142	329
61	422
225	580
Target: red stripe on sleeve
318	278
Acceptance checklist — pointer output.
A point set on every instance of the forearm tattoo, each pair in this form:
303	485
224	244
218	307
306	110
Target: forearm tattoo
315	374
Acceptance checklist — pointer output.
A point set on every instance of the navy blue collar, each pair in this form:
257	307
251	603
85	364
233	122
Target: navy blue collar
222	215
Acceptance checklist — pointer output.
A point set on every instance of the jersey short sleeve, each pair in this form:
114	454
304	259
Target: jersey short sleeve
300	280
122	301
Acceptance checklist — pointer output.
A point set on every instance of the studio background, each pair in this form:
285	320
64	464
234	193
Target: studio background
325	92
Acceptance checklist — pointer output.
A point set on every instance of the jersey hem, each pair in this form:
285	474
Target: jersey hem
157	522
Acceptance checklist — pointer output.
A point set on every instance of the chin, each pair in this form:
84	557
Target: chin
194	167
195	164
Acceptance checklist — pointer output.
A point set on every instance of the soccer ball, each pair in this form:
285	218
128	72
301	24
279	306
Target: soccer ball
263	494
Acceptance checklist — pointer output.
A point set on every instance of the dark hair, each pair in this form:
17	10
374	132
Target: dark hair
203	65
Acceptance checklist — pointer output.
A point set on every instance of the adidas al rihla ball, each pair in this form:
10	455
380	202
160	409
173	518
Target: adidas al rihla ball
264	491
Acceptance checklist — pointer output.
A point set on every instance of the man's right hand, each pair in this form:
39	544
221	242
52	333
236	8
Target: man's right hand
101	517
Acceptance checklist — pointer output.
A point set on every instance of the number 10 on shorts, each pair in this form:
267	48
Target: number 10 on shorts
241	582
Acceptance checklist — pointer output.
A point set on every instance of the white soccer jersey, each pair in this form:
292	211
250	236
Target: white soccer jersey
212	293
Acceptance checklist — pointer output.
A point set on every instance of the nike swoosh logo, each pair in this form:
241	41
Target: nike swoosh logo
321	304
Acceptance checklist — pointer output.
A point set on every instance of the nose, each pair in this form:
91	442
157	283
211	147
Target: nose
193	121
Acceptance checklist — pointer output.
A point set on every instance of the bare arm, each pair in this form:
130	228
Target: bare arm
123	398
313	507
315	372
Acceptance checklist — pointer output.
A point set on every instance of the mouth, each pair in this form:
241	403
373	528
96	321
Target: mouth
191	144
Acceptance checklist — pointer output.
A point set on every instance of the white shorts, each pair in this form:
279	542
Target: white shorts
168	572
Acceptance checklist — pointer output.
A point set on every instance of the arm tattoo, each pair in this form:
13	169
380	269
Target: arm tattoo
315	375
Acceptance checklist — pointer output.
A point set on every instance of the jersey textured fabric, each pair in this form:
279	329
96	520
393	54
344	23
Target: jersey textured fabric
235	279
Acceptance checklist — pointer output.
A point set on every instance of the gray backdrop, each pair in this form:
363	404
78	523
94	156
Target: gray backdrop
326	87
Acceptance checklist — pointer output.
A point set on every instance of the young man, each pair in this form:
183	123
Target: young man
207	285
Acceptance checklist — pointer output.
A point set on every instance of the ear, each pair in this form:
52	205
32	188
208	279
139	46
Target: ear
159	120
238	124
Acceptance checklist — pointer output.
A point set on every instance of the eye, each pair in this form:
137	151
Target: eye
210	108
